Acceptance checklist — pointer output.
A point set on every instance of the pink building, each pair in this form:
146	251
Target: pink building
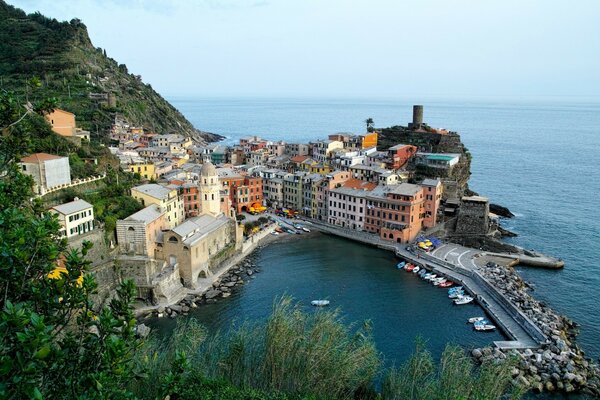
433	195
347	204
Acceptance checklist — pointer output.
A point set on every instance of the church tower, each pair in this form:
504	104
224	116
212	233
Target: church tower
210	190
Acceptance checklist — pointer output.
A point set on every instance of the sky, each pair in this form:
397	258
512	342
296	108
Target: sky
361	48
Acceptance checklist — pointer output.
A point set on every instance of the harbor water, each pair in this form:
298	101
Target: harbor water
539	157
361	281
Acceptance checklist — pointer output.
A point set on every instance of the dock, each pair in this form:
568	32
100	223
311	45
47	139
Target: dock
523	333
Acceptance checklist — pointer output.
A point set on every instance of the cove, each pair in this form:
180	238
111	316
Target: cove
362	281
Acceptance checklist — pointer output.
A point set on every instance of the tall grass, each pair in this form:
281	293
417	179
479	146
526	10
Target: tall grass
296	353
456	377
316	355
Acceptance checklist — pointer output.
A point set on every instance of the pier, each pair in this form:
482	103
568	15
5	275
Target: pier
523	332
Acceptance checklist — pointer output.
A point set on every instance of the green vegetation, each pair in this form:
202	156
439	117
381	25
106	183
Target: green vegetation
53	342
59	60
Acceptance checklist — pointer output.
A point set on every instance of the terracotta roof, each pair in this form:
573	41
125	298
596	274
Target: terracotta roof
39	157
358	184
298	159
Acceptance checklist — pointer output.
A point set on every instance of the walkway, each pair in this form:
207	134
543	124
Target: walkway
460	268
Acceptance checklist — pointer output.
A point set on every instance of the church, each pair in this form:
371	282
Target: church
200	243
163	258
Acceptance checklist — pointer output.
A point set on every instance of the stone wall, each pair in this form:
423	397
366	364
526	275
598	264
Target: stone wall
103	267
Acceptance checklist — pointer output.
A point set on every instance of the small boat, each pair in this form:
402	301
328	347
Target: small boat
455	289
409	267
437	283
423	272
320	303
485	327
427	276
416	269
476	319
456	295
431	277
482	322
290	231
463	300
446	284
305	229
400	265
274	233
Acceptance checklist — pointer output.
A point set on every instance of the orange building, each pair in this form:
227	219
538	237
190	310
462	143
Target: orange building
63	123
242	191
396	212
369	140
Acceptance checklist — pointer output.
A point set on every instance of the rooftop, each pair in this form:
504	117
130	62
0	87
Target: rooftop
403	189
430	182
146	215
154	190
194	229
40	157
72	207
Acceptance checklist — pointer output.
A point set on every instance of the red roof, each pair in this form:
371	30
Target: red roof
38	158
358	184
298	159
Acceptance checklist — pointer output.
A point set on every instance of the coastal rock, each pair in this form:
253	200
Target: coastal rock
476	353
211	294
175	308
160	309
142	331
225	294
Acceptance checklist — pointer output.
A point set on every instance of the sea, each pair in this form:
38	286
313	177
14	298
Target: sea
540	157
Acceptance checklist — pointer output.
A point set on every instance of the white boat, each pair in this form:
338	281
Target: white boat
455	289
320	303
431	277
415	270
305	229
463	300
476	319
484	327
438	282
456	295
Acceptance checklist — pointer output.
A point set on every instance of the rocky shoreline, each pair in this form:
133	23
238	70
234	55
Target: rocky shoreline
560	365
237	276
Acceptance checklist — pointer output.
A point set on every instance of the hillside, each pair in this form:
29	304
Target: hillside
59	59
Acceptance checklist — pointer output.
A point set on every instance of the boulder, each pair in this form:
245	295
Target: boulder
549	386
569	376
142	331
225	294
176	308
211	294
476	353
160	309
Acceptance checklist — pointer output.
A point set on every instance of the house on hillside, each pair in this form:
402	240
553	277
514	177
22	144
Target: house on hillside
47	170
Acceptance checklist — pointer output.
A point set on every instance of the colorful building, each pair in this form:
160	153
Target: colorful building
396	212
167	199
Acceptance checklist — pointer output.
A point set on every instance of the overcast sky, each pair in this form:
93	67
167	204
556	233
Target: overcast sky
347	48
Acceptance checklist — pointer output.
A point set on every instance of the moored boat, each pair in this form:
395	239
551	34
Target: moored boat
416	269
430	277
463	300
401	264
439	282
446	284
455	289
409	267
305	229
484	327
472	320
320	303
456	295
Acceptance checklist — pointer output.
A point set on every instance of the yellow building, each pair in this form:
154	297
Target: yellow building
146	170
167	199
320	169
369	140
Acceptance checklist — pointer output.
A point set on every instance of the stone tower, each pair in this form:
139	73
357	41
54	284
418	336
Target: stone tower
210	190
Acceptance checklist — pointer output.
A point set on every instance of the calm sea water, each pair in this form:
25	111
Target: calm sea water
363	282
540	158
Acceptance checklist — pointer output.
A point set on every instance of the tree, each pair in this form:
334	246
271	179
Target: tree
369	121
53	342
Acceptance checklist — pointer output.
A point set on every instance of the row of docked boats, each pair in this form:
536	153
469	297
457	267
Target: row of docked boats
456	293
